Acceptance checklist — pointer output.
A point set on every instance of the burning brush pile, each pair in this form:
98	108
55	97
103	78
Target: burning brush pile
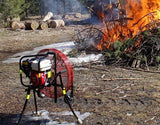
129	32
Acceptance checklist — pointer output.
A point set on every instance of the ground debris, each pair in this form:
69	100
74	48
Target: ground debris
113	79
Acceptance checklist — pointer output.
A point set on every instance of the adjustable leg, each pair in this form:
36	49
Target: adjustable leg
25	104
71	94
67	99
35	101
55	92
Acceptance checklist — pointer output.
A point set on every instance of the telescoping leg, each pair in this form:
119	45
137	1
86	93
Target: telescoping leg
67	100
35	101
25	104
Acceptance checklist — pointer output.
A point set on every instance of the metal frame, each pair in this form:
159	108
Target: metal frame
30	87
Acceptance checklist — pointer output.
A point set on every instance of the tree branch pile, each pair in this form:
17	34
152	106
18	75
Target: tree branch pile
139	52
88	39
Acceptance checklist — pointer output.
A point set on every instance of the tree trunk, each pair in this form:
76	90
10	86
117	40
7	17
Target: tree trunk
43	25
33	25
17	25
48	16
56	23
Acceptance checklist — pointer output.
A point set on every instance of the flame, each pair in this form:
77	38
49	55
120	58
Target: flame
140	15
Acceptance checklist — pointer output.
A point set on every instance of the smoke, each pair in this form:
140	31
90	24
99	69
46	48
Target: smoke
61	7
64	7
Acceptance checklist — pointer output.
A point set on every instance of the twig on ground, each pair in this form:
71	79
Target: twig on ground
141	70
113	79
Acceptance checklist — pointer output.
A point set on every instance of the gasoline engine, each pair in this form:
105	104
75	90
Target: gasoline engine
50	74
38	70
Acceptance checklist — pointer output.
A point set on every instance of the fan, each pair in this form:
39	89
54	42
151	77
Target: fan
62	65
50	73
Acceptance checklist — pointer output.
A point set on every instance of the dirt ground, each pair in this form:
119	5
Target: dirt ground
113	95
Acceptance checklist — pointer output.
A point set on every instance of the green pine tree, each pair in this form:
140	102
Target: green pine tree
12	8
19	8
32	7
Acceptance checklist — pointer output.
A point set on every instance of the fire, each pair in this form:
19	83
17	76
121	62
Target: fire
139	16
